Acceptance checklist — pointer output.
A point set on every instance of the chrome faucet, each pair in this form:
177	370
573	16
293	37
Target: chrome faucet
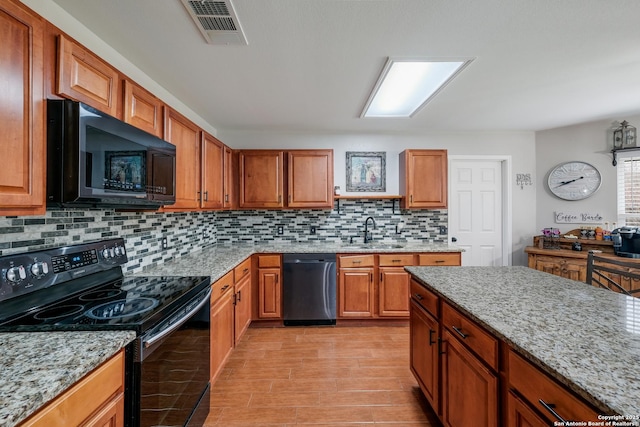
367	236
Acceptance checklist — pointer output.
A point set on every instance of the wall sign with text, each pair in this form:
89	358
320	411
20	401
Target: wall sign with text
578	217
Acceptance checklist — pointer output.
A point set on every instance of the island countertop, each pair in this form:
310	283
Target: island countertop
585	337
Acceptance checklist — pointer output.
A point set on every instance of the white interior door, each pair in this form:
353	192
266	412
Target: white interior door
476	210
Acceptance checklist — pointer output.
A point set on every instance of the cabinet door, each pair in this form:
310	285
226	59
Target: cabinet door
520	415
22	121
230	179
423	179
424	353
469	389
142	109
222	332
261	179
111	415
212	172
567	268
269	293
310	179
243	307
356	293
86	78
394	292
185	135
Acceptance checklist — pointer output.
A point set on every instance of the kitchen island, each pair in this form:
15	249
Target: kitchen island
587	339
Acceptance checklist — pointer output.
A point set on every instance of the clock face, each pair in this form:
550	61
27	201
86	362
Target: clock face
574	180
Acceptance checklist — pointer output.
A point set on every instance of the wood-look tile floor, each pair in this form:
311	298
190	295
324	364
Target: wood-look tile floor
321	376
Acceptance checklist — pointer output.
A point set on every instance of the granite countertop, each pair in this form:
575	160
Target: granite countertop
216	261
587	338
38	366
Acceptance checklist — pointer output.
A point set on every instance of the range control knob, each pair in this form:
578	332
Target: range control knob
39	269
16	274
106	254
119	250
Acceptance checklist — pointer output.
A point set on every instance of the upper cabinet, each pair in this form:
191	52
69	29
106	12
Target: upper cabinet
261	178
212	169
142	109
309	177
185	135
22	177
423	179
86	78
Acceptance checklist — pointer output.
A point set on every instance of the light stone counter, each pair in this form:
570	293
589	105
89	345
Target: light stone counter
216	261
587	338
38	366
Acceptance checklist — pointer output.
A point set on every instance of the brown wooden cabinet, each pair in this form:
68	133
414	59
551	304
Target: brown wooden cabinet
185	135
521	415
269	287
230	199
423	179
308	175
542	393
95	400
261	174
22	121
356	292
222	323
142	109
469	388
213	172
310	179
425	352
85	77
242	299
393	285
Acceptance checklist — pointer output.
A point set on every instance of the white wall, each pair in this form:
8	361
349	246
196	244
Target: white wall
588	142
519	145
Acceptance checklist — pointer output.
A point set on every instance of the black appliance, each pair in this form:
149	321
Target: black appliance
626	241
94	159
309	289
81	287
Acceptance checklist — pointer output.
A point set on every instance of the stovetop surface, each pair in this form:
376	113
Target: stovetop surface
135	303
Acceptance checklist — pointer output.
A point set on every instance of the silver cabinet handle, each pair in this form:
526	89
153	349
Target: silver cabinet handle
549	407
459	331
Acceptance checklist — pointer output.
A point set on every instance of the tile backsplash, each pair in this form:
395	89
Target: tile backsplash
185	232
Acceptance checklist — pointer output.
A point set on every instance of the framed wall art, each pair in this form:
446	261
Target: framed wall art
366	171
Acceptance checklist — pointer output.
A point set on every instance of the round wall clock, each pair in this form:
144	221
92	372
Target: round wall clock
574	180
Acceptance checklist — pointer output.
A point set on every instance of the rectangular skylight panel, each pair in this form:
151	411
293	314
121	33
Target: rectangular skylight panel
405	86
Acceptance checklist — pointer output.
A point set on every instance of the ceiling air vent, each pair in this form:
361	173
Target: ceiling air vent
217	21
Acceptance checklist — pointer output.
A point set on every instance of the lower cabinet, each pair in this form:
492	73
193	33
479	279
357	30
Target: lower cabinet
222	323
269	287
96	400
457	366
242	303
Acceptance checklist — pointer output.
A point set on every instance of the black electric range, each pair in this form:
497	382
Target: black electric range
81	287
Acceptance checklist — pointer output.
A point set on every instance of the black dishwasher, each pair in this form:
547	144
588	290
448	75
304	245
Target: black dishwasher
309	289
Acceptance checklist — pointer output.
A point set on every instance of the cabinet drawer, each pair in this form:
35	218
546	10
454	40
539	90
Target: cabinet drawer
269	261
395	260
242	270
472	335
357	261
439	258
536	386
427	299
221	286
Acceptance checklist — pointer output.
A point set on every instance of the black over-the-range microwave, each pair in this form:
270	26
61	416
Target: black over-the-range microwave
96	160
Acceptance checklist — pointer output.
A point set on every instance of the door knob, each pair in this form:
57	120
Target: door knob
453	239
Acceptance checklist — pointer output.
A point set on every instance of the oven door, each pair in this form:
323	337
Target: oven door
171	370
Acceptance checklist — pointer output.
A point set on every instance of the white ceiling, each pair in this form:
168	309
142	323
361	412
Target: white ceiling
310	64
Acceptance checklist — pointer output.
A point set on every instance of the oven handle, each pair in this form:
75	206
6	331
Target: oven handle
149	342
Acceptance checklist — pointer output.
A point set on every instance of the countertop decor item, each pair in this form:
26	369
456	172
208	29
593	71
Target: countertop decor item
574	180
366	171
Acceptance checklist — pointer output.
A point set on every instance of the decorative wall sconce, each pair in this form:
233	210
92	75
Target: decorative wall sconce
523	179
624	136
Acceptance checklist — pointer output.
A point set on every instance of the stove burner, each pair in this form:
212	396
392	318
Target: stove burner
58	312
122	308
100	295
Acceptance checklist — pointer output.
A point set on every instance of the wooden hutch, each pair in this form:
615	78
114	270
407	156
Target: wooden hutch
556	256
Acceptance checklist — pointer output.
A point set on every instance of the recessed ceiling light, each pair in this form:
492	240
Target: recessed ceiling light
406	85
